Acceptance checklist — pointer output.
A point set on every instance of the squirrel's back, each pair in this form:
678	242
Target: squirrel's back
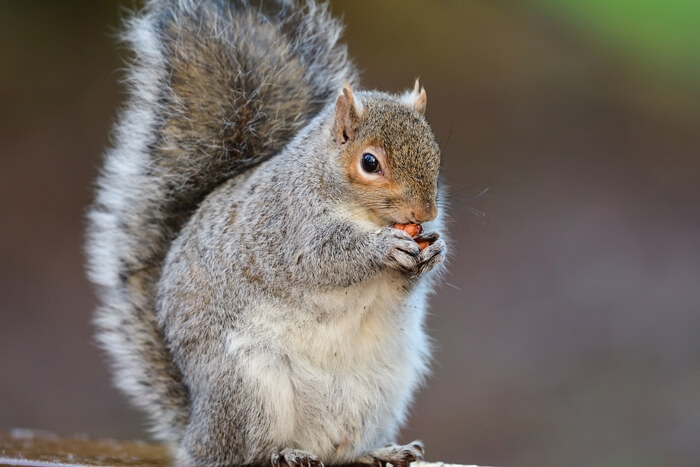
215	87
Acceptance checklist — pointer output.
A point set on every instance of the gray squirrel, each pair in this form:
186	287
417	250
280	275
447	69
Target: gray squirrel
260	300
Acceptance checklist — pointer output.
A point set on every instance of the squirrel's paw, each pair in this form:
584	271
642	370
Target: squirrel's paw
396	455
432	255
294	458
402	251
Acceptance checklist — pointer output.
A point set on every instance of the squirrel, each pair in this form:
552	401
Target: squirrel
258	301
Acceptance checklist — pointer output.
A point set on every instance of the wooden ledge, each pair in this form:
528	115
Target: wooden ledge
41	448
24	447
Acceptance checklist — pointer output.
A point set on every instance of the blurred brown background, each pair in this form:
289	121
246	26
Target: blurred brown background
568	332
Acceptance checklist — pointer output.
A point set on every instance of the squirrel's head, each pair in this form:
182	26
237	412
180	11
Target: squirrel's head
389	153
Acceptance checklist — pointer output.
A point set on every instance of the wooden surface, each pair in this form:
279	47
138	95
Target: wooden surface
36	448
39	448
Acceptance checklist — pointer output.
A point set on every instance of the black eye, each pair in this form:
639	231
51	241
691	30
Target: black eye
370	163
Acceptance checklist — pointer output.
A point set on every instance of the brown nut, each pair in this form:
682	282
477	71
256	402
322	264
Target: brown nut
411	229
423	245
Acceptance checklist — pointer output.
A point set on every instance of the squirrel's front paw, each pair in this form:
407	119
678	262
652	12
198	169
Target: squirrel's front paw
432	255
402	252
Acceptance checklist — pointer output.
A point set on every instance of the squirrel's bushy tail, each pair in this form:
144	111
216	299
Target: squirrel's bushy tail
215	87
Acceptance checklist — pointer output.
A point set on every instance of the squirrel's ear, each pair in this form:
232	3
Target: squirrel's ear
416	98
348	111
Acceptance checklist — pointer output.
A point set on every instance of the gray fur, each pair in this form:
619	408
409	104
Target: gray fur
216	87
295	322
257	308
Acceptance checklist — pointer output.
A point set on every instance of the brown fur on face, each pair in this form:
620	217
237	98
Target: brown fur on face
401	139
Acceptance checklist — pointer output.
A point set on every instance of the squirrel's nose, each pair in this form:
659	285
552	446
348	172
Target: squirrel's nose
424	212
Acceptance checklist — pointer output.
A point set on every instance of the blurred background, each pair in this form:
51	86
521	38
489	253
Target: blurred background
567	332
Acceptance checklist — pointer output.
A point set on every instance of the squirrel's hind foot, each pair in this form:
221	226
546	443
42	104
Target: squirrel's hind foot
294	458
396	455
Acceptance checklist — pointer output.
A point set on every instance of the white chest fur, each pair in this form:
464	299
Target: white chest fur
337	370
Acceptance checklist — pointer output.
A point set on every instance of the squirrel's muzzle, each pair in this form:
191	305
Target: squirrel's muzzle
422	212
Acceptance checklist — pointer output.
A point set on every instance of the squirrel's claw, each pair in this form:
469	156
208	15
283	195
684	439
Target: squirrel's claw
430	257
429	237
294	458
396	455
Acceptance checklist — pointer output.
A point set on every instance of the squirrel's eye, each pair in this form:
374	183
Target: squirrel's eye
370	163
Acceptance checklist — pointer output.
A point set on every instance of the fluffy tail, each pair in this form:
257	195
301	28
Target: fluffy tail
215	87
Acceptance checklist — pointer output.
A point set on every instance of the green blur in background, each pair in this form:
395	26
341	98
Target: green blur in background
663	35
